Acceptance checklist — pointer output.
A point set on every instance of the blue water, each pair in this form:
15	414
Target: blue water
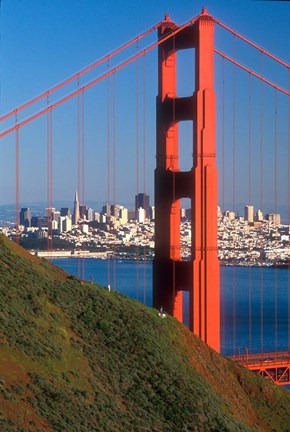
247	295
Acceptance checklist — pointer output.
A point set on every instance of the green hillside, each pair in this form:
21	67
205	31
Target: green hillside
76	358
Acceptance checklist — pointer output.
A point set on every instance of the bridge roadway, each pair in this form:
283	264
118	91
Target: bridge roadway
274	366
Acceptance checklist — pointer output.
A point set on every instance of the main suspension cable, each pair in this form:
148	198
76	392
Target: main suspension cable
241	66
77	75
254	45
98	79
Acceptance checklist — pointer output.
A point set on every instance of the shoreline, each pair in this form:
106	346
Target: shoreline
109	255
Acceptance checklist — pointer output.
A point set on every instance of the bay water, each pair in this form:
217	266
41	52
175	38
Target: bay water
254	300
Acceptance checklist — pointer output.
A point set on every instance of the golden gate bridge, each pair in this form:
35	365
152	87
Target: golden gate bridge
254	129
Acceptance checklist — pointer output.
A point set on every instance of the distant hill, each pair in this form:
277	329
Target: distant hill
76	358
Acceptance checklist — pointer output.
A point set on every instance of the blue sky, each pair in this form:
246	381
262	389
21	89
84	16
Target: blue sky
45	41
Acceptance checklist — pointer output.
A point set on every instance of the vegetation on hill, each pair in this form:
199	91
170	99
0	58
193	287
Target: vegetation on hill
76	358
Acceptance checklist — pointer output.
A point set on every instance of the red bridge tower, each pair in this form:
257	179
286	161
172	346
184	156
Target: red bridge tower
200	275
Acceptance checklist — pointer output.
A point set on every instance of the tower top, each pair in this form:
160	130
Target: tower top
204	10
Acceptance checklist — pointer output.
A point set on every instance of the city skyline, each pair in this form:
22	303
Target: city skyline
77	211
38	207
41	40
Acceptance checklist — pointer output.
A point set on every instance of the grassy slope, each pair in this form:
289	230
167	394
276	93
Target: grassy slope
74	357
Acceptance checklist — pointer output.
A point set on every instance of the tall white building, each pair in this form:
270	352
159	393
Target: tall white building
141	215
67	225
259	216
123	215
152	213
231	215
97	216
90	214
249	213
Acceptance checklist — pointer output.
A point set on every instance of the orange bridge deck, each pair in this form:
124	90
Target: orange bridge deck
273	366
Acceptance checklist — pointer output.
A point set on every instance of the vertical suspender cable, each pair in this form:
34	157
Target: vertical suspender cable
144	168
261	202
83	171
108	168
250	201
223	291
137	171
48	165
234	192
49	176
79	140
173	201
250	136
173	191
17	182
79	164
83	148
223	134
114	176
275	206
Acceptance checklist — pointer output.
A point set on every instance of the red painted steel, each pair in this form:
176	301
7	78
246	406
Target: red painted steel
273	366
200	275
206	278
